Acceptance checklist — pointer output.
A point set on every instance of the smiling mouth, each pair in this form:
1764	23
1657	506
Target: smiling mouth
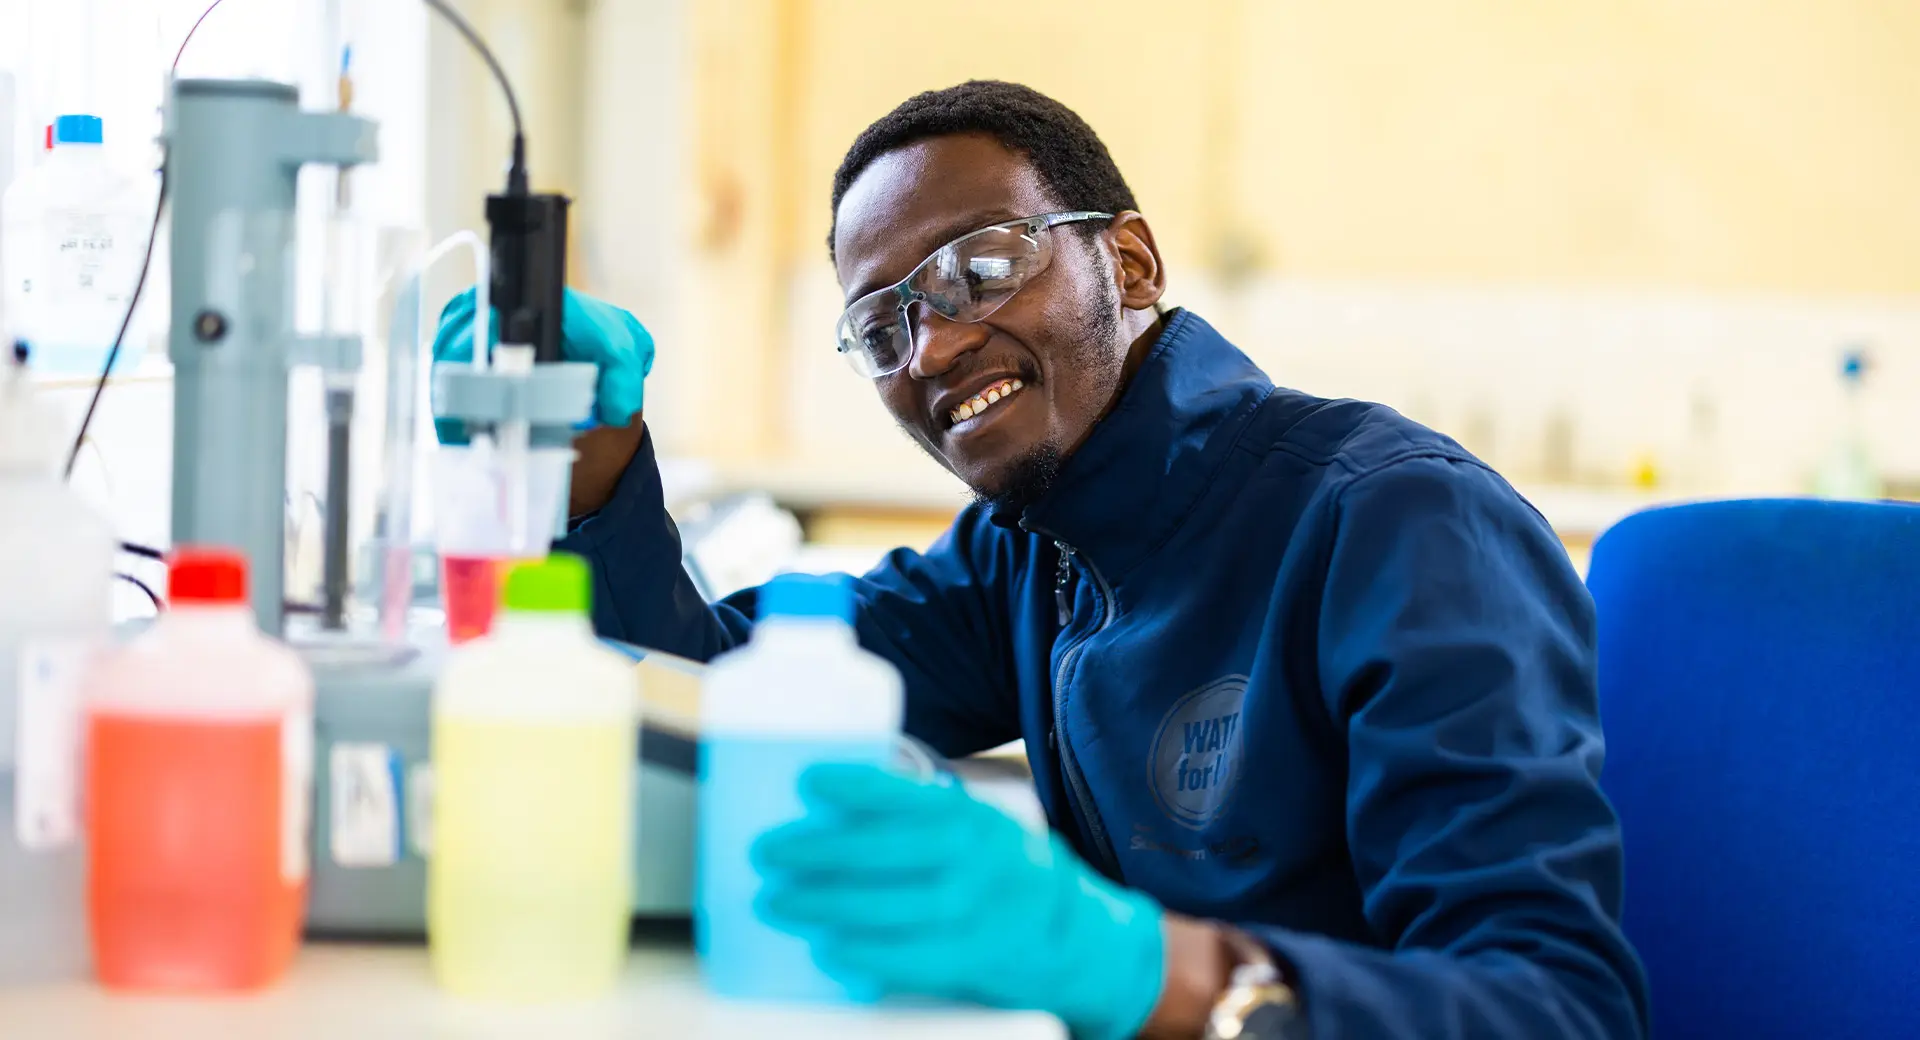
986	399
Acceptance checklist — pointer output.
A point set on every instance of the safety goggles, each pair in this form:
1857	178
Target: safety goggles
965	280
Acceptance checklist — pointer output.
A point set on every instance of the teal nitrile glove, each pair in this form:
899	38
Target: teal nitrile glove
590	330
925	891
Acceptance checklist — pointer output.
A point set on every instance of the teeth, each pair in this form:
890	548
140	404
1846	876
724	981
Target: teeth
981	402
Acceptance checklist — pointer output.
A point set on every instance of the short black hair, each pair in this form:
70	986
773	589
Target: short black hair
1072	162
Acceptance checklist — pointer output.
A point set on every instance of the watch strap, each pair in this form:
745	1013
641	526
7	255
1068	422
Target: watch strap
1260	1002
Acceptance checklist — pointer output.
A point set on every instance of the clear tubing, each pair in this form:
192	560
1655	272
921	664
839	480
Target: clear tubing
513	438
482	280
409	371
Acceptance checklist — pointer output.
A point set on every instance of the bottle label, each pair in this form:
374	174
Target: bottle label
420	809
47	791
296	793
364	799
83	271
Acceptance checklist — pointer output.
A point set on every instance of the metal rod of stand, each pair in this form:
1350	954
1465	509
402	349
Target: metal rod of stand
339	482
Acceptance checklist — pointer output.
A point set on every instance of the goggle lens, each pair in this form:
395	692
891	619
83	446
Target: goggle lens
966	281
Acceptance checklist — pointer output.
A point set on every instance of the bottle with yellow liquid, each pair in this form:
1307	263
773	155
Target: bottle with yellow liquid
529	887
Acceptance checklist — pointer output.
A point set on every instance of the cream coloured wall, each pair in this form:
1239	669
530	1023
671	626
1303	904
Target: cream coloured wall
1756	145
1769	144
1476	175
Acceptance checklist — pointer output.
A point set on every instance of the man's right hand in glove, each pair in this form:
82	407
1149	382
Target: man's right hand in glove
594	331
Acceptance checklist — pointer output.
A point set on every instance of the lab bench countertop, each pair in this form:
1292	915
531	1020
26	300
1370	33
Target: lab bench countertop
372	992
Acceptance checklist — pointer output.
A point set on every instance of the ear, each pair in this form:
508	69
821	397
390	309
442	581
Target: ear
1136	271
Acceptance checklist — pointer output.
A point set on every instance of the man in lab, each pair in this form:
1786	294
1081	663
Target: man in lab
1308	691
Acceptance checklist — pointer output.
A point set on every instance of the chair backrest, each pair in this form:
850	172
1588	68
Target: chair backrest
1760	688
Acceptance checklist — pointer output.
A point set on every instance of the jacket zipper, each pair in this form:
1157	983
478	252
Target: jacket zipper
1061	575
1070	765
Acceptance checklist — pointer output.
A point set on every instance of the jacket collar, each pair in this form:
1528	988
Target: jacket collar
1145	465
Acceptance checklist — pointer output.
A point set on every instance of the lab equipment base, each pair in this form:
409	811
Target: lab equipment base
373	796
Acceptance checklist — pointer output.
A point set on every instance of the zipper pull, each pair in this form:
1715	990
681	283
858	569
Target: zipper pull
1062	575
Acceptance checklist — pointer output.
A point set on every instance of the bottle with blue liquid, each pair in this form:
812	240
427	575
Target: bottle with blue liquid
800	692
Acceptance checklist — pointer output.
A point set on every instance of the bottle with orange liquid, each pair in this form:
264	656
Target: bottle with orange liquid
199	746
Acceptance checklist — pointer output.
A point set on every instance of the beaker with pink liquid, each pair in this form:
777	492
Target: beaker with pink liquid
492	508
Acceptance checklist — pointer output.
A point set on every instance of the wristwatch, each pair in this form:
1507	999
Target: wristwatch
1258	1004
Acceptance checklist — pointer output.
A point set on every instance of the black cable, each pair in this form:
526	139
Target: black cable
113	354
291	606
146	262
175	67
158	604
517	172
516	185
136	549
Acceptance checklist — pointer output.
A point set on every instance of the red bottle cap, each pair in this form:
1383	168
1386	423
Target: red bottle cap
207	576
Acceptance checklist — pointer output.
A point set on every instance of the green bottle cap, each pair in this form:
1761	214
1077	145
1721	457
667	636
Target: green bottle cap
561	583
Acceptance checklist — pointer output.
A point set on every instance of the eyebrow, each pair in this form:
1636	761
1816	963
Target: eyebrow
960	226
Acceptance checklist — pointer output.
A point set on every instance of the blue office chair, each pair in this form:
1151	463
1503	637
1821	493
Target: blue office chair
1760	688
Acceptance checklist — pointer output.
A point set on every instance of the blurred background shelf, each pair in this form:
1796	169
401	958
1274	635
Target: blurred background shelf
851	516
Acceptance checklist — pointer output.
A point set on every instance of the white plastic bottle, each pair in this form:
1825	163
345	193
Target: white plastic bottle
56	565
1848	470
800	692
535	748
72	231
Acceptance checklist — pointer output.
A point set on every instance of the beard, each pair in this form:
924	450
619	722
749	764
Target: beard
1089	368
1031	475
1024	481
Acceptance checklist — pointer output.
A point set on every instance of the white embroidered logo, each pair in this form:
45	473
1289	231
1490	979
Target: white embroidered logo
1194	762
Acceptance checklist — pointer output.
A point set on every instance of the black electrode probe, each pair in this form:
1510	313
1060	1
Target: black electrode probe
529	234
529	242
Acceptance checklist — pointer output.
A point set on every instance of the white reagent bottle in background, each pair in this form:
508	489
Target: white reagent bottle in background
74	231
56	565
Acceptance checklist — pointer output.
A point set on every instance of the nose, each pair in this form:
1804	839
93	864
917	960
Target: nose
939	343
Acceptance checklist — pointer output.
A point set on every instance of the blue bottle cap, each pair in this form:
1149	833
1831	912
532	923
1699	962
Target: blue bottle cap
76	129
1853	364
808	596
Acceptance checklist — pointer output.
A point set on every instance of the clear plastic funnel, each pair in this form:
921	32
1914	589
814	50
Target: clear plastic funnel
488	516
